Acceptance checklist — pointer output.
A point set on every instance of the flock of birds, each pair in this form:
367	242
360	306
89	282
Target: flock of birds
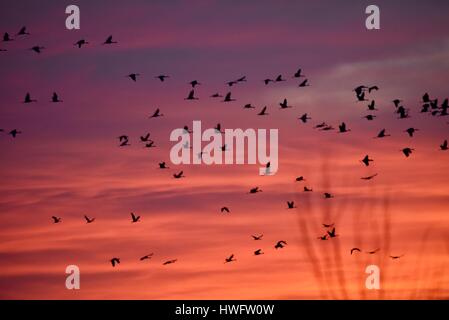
362	92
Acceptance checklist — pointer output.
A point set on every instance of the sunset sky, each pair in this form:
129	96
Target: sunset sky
67	161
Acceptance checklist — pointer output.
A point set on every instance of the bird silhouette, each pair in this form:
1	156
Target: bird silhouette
109	41
328	225
369	177
255	190
371	106
299	179
320	125
37	49
332	233
256	238
369	117
133	76
426	98
156	114
146	257
291	204
342	128
55	98
23	32
411	131
89	220
145	138
407	151
248	106
258	252
328	195
403	114
7	37
231	83
284	104
305	83
279	78
304	118
179	175
169	262
263	112
228	98
56	219
28	99
162	77
298	74
115	261
191	96
216	95
444	146
124	141
360	89
230	259
396	257
81	43
280	244
323	237
382	134
267	81
373	251
14	133
242	79
134	218
225	209
306	189
162	165
361	97
366	160
355	249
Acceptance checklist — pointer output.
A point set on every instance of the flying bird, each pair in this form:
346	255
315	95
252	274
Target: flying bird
279	78
109	41
397	102
162	77
411	131
179	175
299	179
156	114
150	144
169	262
263	112
326	225
194	83
230	259
342	128
255	190
298	74
366	160
258	252
369	117
306	189
371	106
28	99
407	151
291	204
228	98
324	237
23	31
284	104
304	118
373	251
225	209
56	219
369	177
328	195
115	261
267	81
124	141
216	95
355	249
373	88
14	133
81	43
134	218
37	49
89	220
145	138
6	37
242	79
248	106
382	134
396	257
280	244
162	165
133	76
191	96
444	147
257	237
146	257
55	98
305	83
